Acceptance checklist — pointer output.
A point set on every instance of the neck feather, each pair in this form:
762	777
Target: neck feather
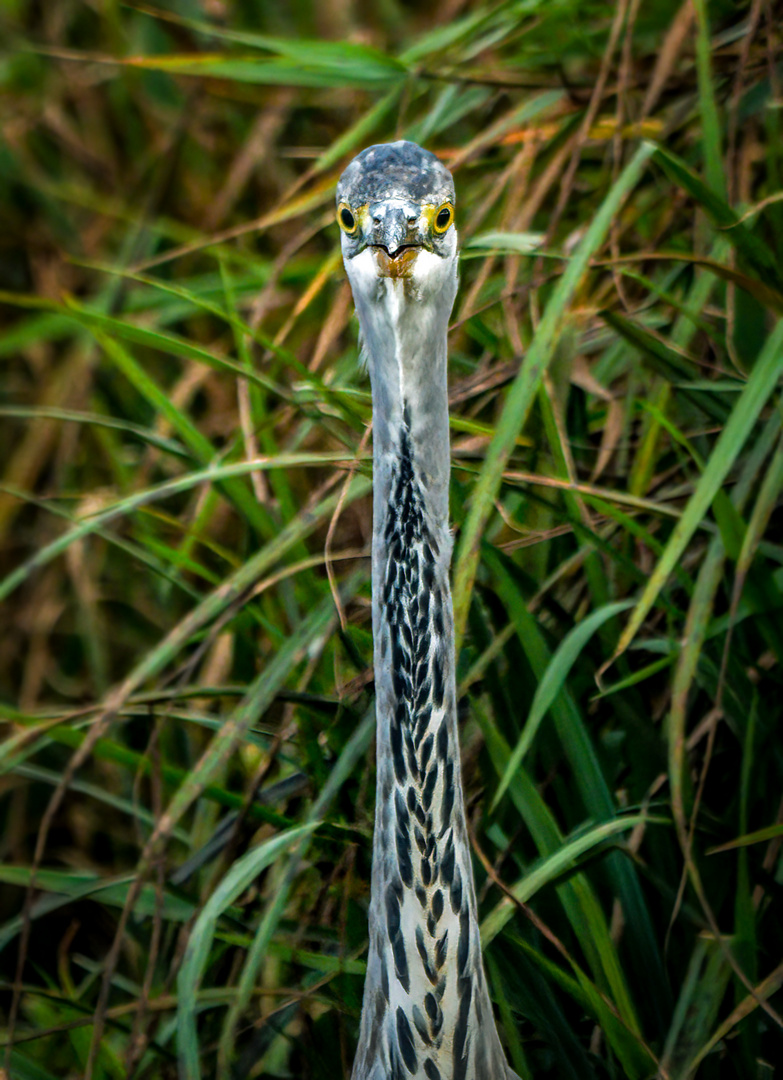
426	1012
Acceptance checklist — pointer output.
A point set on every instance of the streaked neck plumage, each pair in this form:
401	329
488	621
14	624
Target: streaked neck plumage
426	1013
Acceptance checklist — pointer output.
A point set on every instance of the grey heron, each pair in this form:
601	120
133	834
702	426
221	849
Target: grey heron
426	1012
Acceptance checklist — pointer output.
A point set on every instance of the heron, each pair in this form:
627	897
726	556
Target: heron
426	1010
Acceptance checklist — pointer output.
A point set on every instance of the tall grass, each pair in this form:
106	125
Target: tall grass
185	660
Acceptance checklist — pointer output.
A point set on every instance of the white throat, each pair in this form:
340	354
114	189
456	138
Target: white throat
404	322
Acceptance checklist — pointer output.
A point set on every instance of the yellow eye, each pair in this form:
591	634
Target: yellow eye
444	216
346	219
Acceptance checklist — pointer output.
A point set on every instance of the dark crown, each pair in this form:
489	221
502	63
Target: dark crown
400	170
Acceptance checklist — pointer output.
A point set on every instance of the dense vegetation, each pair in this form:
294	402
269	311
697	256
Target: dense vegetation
187	781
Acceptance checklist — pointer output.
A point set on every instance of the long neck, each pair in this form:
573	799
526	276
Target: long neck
426	1010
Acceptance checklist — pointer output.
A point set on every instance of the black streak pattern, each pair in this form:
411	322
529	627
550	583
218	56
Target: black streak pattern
414	611
405	1041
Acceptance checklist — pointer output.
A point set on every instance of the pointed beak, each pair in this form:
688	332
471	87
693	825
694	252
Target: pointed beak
394	225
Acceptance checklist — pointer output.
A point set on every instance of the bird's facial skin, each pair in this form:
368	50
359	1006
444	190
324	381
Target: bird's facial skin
395	209
396	230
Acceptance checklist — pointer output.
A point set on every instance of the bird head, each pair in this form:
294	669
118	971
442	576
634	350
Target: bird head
395	209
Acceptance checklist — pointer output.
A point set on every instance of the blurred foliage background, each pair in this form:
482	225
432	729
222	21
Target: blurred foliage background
187	779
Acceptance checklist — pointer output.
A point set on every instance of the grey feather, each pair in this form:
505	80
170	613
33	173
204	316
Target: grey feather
426	1013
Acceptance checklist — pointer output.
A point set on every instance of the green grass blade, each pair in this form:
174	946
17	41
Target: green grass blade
711	126
769	986
241	875
62	888
201	448
749	246
593	788
637	1059
667	361
552	867
551	682
258	698
214	473
354	749
762	382
24	1069
759	836
319	71
523	390
578	899
764	507
74	416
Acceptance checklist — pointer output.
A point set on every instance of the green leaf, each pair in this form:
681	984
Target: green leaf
711	127
73	416
215	473
760	836
23	1068
579	901
65	887
669	362
552	867
314	65
239	878
525	386
352	752
637	1059
762	382
551	682
518	243
701	993
747	243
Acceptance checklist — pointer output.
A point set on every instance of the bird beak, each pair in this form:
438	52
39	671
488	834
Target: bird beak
394	225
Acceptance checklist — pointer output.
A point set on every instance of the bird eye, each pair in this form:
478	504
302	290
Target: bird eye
444	217
346	219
